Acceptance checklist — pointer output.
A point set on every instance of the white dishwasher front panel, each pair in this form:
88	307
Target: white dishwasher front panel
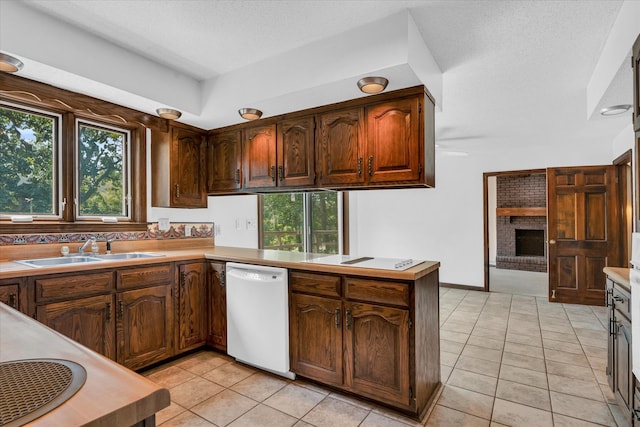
258	316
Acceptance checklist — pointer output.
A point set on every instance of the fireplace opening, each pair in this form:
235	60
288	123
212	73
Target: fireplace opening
529	242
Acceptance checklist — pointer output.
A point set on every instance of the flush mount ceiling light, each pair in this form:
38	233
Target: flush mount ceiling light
168	113
615	110
250	113
372	84
10	64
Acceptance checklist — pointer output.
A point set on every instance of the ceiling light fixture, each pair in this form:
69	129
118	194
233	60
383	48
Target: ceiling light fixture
372	84
10	64
615	110
169	113
250	113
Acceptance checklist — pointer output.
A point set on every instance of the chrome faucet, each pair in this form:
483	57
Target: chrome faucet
85	244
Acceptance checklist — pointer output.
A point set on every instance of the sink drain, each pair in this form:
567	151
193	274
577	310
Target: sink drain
32	387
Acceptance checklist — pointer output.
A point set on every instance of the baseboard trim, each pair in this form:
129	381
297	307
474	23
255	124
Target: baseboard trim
463	287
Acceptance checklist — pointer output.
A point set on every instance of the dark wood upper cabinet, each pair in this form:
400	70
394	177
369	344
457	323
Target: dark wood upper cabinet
394	152
224	158
295	152
340	147
178	165
259	157
635	57
380	141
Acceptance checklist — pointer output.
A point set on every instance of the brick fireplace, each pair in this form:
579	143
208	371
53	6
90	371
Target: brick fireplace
521	223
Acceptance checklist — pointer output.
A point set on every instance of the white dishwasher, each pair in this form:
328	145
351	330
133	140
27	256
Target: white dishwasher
258	316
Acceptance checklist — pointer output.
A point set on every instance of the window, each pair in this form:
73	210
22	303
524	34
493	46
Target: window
29	153
302	222
70	169
102	164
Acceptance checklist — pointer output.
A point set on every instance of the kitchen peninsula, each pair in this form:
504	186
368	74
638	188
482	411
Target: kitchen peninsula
370	332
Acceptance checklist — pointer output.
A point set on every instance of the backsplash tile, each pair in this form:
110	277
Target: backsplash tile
175	231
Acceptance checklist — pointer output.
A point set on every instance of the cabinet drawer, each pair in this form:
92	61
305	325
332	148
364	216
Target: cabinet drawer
144	276
79	285
319	284
377	291
622	301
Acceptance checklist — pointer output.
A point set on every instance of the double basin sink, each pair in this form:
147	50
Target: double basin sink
79	259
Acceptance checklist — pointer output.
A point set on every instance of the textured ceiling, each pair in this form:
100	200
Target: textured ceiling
514	72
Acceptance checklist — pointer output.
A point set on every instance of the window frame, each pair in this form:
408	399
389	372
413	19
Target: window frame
56	160
22	93
343	223
126	159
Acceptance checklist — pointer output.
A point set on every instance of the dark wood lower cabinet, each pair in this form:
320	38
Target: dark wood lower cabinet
217	306
316	337
89	321
377	352
192	294
375	338
144	326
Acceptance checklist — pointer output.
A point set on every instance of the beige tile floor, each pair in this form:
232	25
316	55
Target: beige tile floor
506	360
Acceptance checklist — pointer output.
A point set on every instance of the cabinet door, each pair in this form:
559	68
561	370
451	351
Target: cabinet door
88	321
623	374
394	151
218	307
295	152
377	352
187	169
144	326
610	336
259	157
340	147
192	305
9	295
224	162
316	338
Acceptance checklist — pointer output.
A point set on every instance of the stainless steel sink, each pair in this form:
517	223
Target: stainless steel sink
61	260
128	255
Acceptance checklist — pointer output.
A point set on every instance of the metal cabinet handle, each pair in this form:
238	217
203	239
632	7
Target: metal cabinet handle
370	165
177	191
223	278
349	318
618	298
13	301
273	173
108	310
183	279
338	317
120	310
359	166
237	176
281	173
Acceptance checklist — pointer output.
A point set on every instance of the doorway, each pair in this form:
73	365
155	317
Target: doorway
515	232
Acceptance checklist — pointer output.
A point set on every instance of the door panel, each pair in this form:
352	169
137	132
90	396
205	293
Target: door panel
259	157
583	232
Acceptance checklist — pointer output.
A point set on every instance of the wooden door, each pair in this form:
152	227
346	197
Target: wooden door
224	159
316	338
394	151
377	352
218	306
192	305
144	326
259	157
295	151
89	321
582	227
187	169
340	147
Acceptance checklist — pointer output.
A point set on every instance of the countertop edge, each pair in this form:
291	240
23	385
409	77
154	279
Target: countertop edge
619	275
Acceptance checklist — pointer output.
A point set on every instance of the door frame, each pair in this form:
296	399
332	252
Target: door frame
625	200
485	212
